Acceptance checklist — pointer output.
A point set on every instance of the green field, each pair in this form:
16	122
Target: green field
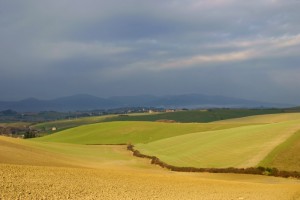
15	124
237	147
240	142
69	123
60	125
28	152
129	132
286	155
198	115
179	116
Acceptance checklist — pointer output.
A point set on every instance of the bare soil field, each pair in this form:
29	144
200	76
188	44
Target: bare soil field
34	173
37	182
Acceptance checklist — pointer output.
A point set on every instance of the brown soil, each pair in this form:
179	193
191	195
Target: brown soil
37	182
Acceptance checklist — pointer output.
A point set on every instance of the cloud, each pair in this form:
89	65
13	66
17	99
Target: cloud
67	50
203	59
98	46
249	49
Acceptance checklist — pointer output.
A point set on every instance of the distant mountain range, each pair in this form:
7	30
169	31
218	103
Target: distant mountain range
88	102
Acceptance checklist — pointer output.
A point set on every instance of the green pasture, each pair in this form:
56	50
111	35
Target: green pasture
93	153
69	123
129	132
236	147
268	140
15	124
178	116
209	115
285	156
28	152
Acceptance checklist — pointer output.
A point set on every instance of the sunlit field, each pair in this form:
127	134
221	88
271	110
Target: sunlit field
62	165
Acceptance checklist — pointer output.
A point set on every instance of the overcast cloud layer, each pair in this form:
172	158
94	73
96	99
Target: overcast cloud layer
246	49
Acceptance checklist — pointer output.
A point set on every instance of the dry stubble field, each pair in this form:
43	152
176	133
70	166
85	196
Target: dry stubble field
43	173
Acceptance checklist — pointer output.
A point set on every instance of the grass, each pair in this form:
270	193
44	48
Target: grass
179	116
286	155
27	152
240	142
21	152
237	147
129	132
70	123
15	124
198	115
264	119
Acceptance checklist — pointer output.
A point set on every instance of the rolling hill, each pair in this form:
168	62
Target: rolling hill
70	171
28	152
178	116
128	132
236	147
240	142
55	167
265	118
286	155
209	115
89	102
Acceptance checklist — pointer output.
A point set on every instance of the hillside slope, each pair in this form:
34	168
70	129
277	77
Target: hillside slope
129	132
89	102
286	155
115	174
263	119
210	115
21	152
34	153
237	147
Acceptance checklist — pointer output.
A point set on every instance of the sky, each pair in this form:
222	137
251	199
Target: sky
234	48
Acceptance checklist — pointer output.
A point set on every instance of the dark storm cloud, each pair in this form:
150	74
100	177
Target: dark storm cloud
246	49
